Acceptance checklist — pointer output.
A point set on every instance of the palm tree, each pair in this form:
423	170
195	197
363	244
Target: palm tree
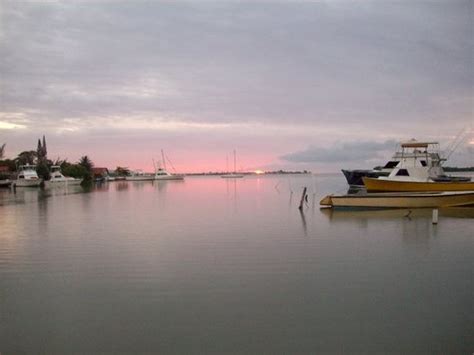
2	150
86	163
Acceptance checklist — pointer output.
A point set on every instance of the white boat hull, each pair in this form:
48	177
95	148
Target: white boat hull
71	182
140	178
28	183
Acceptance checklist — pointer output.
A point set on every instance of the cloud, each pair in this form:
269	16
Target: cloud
227	70
343	152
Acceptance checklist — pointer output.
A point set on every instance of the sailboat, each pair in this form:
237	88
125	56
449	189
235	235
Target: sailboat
234	174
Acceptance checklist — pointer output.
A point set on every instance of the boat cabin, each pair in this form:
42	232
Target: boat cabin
417	162
27	172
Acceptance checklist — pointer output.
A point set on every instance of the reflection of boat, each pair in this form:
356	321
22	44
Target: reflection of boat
140	176
162	174
401	200
27	177
360	213
234	174
418	170
58	179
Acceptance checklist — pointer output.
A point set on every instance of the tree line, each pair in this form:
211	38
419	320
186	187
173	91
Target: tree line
82	169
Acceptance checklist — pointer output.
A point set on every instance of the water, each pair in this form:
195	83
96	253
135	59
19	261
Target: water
212	265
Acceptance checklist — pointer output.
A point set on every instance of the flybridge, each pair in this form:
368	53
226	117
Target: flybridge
415	144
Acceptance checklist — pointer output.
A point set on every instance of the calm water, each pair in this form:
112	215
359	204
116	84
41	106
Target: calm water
211	265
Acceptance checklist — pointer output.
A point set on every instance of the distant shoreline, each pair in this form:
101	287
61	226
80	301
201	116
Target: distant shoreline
278	172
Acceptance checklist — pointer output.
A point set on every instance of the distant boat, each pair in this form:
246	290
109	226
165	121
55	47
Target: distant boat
58	179
401	200
162	174
140	176
27	177
234	174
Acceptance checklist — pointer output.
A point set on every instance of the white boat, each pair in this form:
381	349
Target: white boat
418	170
27	177
140	176
234	174
58	179
412	154
163	174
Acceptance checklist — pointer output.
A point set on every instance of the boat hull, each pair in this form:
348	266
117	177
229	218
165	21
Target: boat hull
401	200
170	177
141	178
28	183
354	177
70	182
384	185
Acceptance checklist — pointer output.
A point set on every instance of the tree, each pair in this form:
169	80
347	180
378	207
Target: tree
86	163
26	157
122	171
74	170
2	151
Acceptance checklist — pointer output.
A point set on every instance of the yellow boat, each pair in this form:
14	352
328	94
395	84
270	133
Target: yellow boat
401	200
399	185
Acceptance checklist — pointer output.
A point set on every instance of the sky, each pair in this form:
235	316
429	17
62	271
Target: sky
288	84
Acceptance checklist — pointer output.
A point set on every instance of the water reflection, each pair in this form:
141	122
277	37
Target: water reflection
135	257
399	213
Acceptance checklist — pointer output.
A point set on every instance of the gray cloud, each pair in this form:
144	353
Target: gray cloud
344	152
393	68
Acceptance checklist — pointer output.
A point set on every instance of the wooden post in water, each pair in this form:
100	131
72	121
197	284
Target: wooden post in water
302	198
435	216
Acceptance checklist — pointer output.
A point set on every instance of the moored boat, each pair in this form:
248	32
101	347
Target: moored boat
234	174
423	158
140	176
354	177
401	200
162	174
58	179
418	170
27	177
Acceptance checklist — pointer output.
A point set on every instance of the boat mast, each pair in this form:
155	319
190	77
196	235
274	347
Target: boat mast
235	170
163	157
